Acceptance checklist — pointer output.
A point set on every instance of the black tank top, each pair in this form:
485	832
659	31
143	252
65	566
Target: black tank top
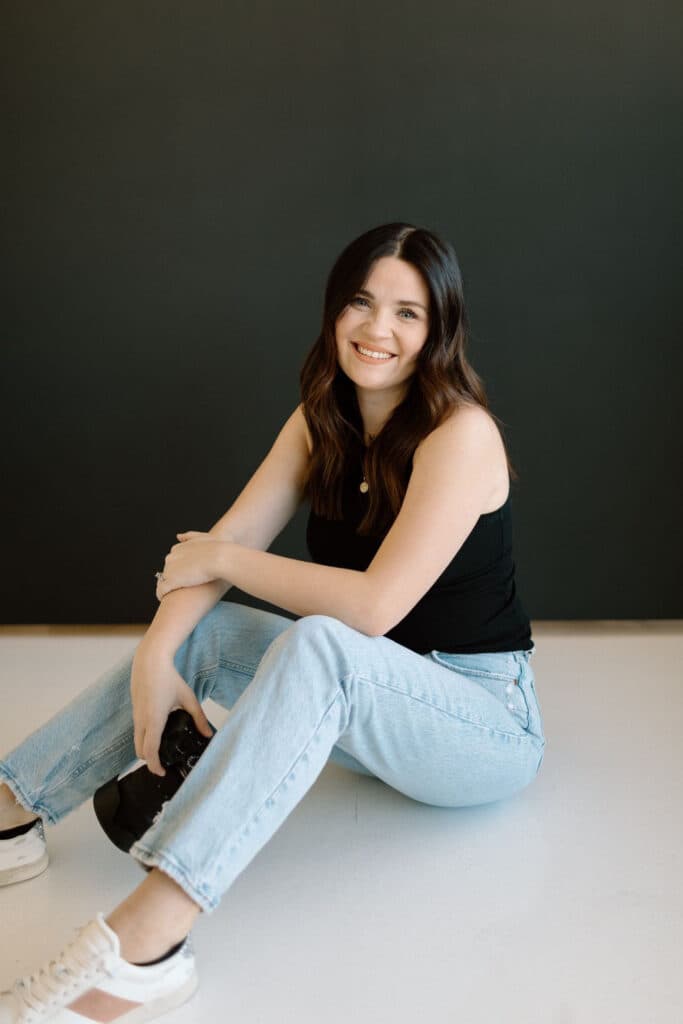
472	607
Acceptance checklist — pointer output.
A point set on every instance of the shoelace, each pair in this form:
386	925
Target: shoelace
53	983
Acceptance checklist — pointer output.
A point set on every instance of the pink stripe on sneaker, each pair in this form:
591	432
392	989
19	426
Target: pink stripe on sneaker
101	1006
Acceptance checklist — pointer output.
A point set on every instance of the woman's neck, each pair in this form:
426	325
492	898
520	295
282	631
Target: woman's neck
373	421
375	410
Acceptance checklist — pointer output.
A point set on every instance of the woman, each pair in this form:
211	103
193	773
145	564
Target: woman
409	660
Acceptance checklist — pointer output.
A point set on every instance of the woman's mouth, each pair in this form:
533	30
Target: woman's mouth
366	355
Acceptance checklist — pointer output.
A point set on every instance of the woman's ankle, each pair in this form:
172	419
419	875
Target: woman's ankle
6	796
156	916
11	812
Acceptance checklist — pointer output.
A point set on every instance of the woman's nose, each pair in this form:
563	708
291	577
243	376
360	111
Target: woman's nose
378	323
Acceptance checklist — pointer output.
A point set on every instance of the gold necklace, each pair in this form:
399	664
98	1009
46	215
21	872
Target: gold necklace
364	484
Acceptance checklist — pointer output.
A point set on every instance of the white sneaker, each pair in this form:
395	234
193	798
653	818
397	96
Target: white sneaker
89	981
23	856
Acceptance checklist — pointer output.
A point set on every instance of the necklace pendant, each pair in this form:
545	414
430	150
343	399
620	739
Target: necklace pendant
364	487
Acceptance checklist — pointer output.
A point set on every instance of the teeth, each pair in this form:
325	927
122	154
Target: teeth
374	355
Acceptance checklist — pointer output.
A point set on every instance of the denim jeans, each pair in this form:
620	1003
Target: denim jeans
450	730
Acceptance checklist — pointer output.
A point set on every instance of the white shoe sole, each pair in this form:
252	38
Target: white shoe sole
22	872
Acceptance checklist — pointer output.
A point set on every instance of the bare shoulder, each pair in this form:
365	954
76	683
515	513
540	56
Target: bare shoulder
471	428
300	420
298	423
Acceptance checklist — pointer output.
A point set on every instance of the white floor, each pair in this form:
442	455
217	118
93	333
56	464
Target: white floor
563	905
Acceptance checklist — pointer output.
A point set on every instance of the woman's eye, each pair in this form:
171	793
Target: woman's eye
411	314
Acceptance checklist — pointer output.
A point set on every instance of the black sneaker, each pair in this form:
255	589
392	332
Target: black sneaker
126	807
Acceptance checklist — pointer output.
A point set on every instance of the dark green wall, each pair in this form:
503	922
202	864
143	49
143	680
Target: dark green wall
177	180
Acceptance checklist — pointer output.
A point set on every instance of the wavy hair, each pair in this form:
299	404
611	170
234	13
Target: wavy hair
443	379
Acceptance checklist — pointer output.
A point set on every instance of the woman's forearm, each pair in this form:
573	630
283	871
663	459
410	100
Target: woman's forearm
178	614
305	588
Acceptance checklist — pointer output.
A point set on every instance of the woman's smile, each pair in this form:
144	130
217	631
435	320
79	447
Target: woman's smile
378	356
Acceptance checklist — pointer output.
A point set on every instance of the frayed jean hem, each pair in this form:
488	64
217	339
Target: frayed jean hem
162	861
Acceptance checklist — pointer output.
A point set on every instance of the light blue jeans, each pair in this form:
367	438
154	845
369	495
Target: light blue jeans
450	730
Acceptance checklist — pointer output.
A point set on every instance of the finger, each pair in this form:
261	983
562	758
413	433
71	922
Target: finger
151	751
200	720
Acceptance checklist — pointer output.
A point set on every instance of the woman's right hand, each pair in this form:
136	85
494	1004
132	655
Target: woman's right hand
156	689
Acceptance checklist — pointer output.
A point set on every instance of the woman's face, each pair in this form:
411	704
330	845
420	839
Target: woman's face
389	315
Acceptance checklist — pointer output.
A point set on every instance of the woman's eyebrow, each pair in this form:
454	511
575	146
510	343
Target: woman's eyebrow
400	302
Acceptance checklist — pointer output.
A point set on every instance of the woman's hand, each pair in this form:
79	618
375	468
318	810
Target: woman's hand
190	563
157	688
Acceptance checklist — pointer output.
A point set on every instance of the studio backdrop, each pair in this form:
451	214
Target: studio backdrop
177	180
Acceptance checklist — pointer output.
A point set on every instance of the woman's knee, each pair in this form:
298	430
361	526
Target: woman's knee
317	631
309	656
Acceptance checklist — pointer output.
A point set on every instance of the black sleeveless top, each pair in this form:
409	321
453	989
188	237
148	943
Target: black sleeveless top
472	607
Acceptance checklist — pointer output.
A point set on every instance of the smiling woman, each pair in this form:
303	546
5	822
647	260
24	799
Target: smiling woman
409	660
395	292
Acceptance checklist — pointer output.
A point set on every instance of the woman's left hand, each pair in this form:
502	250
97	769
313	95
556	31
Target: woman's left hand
190	563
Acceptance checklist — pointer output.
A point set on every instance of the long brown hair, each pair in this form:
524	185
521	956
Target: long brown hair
442	381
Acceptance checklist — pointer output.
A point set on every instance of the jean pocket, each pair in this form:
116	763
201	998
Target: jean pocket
500	674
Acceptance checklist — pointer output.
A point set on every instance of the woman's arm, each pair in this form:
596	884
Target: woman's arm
304	588
453	476
454	472
177	616
259	514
